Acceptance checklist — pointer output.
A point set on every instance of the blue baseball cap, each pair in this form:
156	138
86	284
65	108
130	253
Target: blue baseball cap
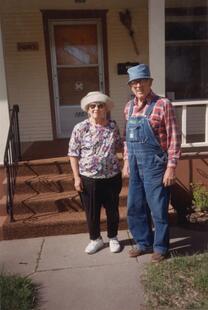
141	71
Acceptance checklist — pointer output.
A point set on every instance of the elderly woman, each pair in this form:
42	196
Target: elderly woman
96	169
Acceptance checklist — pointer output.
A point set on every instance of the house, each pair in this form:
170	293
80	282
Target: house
54	52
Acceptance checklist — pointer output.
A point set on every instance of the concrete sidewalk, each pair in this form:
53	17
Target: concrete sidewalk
73	280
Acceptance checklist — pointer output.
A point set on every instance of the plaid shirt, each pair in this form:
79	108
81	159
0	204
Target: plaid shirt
164	125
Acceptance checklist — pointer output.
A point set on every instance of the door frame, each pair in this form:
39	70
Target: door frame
49	15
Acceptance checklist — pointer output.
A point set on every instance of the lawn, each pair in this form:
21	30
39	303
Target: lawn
178	283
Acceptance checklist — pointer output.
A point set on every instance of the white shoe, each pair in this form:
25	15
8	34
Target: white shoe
114	245
94	246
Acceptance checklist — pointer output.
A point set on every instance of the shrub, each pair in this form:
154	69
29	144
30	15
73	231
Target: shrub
200	196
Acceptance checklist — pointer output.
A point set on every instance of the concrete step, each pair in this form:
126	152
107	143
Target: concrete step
3	203
50	224
57	165
55	201
47	183
44	183
46	202
3	221
40	167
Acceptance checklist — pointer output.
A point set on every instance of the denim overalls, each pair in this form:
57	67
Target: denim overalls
147	164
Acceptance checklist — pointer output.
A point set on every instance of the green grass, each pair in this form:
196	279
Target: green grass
17	293
178	283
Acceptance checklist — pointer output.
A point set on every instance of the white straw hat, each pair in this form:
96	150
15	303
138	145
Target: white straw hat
96	96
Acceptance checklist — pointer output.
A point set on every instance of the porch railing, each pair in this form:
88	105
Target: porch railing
184	105
11	157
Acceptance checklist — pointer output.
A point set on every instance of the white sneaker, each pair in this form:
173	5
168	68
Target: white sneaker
94	246
114	245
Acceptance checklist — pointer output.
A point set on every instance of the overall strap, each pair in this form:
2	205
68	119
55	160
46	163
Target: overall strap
151	106
131	107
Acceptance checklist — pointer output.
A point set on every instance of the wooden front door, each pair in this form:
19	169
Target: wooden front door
77	68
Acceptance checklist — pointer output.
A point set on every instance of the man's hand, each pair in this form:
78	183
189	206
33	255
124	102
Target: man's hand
169	176
125	171
78	184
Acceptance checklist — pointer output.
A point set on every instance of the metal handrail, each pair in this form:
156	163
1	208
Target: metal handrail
11	157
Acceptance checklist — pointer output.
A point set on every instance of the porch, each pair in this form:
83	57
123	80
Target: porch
45	89
44	149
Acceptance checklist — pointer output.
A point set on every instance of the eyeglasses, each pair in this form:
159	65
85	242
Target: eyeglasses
141	81
98	105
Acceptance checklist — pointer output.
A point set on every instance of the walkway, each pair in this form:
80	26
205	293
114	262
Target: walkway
73	280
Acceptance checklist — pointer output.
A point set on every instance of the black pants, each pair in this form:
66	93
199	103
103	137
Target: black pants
98	193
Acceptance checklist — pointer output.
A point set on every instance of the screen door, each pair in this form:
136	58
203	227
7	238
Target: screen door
77	68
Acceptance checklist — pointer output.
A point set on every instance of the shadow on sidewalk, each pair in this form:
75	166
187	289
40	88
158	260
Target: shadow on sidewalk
187	241
183	241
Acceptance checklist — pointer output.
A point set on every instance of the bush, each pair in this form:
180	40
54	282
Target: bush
200	197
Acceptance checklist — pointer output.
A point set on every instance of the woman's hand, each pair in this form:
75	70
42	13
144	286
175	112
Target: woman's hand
169	176
78	184
125	171
75	168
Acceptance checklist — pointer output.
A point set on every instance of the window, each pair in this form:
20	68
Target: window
186	50
186	38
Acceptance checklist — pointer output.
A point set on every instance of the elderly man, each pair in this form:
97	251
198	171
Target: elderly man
152	149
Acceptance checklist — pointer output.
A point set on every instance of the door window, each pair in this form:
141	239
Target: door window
77	61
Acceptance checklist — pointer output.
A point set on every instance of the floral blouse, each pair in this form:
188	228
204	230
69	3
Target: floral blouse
96	147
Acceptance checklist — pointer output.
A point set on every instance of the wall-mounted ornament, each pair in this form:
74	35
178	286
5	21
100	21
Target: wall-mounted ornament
125	18
123	67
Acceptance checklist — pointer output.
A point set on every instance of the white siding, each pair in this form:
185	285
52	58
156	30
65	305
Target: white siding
27	76
4	111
